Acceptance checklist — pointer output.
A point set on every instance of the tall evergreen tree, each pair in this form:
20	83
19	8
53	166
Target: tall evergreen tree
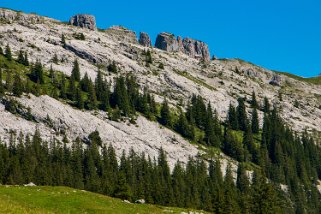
241	114
166	116
75	73
255	122
8	53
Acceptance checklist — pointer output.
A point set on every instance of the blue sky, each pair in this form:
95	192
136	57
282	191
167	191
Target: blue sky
283	35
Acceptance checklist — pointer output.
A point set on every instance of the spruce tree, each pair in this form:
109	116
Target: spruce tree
92	101
75	73
79	99
166	116
232	120
266	105
17	86
255	122
26	60
21	58
120	96
37	74
254	103
1	83
8	53
241	114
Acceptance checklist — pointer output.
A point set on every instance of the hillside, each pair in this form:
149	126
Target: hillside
14	199
103	111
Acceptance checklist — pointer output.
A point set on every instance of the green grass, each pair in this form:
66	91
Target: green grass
312	80
18	199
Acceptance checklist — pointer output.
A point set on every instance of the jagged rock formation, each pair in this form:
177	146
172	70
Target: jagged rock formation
83	21
144	39
276	80
10	16
191	47
167	42
122	34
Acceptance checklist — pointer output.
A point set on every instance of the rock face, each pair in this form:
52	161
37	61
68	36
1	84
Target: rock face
144	39
84	21
276	80
167	42
196	49
11	16
191	47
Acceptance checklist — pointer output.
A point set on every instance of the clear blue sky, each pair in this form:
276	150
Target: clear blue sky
282	35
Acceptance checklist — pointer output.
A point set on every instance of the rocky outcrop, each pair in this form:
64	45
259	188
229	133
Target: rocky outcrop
191	47
10	16
276	80
144	39
196	49
167	42
122	34
84	21
82	54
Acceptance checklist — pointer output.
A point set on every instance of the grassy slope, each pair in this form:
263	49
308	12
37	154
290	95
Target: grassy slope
17	199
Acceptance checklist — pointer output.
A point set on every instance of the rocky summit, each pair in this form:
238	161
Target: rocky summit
191	47
83	21
144	39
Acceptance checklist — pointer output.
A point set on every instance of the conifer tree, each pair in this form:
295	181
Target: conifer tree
63	89
99	86
255	122
166	117
37	73
79	99
241	114
9	81
8	53
75	73
120	96
266	105
26	60
84	83
17	86
254	103
1	84
92	101
21	58
232	120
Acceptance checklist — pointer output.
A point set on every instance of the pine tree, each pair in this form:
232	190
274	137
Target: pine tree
75	73
255	122
99	86
232	120
1	84
166	117
112	67
266	105
63	40
8	53
26	60
241	114
120	96
84	83
21	58
72	89
254	103
79	99
63	89
9	81
92	101
17	86
37	73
